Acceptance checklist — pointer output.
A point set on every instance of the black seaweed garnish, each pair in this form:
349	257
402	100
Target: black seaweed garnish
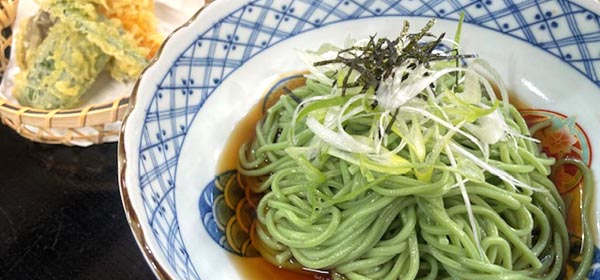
378	58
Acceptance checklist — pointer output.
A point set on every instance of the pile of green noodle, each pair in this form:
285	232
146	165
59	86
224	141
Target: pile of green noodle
426	176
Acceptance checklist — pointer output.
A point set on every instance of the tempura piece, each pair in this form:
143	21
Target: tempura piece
137	18
60	65
82	16
34	31
62	70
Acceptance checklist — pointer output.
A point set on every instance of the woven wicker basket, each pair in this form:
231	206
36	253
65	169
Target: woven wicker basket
92	124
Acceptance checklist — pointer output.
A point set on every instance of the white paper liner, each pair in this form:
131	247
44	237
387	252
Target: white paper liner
170	13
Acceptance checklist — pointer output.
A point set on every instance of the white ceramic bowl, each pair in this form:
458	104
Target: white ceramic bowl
214	69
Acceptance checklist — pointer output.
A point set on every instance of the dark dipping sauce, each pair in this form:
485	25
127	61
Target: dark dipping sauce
244	132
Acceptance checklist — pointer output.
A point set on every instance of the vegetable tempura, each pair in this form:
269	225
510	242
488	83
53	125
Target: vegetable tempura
66	46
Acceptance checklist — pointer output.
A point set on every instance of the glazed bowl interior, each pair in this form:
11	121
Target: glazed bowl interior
214	70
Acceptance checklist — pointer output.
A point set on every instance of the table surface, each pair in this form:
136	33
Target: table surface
61	215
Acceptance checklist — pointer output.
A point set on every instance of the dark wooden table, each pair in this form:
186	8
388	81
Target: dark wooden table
61	215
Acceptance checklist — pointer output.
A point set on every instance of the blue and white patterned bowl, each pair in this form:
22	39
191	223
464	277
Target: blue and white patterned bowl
211	72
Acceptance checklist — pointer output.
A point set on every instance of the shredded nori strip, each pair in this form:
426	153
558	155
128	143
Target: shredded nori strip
380	56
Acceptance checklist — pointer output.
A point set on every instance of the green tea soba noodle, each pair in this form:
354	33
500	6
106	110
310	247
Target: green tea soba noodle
398	161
